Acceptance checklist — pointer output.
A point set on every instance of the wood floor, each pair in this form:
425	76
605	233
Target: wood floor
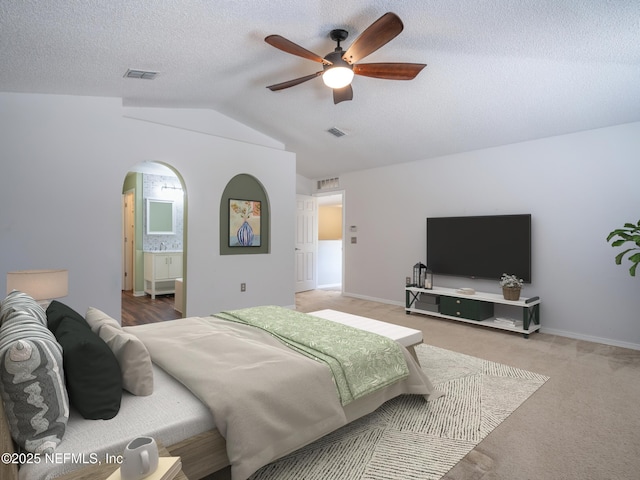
141	310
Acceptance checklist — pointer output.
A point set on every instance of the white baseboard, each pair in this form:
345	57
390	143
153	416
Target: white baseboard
551	331
589	338
139	294
373	299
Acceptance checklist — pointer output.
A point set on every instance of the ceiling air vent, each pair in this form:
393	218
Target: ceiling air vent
336	132
329	183
143	74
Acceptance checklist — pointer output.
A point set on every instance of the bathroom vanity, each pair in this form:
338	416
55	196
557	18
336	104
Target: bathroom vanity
161	269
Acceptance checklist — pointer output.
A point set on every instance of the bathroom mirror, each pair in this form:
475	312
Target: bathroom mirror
160	217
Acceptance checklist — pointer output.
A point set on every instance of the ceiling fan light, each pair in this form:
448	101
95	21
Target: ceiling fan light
337	77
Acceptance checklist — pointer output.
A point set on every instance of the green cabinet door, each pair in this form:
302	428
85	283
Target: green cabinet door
466	308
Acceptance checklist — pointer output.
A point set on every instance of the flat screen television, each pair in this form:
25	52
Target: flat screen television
480	246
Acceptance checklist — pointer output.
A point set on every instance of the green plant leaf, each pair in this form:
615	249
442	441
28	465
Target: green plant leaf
620	236
621	255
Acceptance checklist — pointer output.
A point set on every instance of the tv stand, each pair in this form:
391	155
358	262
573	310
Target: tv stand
474	308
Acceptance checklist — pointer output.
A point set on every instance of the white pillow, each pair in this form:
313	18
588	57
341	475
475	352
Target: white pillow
132	355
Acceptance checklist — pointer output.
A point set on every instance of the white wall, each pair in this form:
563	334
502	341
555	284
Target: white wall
204	121
577	187
64	160
304	186
329	263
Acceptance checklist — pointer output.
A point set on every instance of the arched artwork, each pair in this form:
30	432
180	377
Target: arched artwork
244	217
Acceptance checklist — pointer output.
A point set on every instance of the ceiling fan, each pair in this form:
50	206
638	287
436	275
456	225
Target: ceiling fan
340	66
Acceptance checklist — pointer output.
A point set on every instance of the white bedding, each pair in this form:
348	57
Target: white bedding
171	414
267	399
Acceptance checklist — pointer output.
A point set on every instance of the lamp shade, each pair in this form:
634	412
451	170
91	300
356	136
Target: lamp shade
39	284
337	77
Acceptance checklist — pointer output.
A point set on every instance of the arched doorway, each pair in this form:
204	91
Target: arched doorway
153	244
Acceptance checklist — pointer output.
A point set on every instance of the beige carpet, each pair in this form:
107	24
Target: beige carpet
409	438
584	424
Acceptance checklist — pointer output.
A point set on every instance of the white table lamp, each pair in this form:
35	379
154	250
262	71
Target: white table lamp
42	285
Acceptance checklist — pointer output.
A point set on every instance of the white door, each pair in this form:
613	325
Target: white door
306	243
128	230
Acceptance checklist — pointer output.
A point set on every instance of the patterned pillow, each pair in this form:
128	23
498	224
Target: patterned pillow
132	355
32	381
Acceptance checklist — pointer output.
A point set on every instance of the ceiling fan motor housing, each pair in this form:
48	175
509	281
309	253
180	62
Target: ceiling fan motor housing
340	73
335	58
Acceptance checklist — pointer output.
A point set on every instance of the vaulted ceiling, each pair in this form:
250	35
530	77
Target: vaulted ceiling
498	71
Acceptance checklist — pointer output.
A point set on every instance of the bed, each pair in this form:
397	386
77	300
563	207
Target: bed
192	419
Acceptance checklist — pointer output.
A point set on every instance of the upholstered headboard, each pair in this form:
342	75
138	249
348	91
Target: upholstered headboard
7	470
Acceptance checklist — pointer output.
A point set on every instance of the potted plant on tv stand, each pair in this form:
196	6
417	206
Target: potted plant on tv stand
511	286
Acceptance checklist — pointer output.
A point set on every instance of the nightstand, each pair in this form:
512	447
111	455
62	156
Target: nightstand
102	472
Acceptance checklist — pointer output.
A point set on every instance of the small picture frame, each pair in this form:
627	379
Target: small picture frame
244	223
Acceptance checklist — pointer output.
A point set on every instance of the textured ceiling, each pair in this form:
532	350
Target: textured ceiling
498	71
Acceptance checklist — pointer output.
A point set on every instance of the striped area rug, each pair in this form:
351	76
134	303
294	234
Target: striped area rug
410	439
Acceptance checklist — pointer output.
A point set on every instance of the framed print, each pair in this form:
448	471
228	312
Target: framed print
244	223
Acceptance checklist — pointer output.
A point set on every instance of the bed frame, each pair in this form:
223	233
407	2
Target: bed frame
201	455
206	453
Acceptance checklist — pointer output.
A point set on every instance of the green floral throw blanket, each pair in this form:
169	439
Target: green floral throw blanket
361	361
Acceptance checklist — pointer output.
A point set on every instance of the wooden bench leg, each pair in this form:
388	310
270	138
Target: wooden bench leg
413	353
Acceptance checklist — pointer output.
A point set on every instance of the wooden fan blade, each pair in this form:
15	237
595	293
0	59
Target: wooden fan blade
342	94
293	83
288	46
389	71
383	30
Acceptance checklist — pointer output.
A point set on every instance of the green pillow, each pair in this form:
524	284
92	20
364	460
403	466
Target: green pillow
92	372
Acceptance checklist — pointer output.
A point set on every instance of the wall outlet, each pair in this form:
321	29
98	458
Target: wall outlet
408	280
243	287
